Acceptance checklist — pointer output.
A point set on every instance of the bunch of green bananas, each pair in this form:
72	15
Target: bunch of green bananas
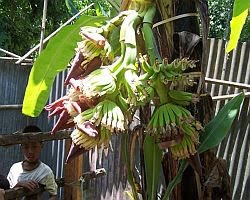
111	89
168	72
174	123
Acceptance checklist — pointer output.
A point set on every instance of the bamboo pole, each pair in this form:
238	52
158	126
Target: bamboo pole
52	34
45	4
175	18
229	83
9	53
12	58
27	64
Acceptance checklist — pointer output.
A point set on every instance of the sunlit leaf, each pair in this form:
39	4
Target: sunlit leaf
236	25
152	157
240	13
53	60
240	6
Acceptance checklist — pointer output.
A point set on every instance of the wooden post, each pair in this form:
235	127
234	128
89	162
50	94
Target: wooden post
72	172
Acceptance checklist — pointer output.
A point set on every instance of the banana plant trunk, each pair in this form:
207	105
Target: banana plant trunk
178	38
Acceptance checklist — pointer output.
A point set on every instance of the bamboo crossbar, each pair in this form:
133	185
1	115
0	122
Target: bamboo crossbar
21	192
13	106
18	137
229	96
12	58
228	83
9	53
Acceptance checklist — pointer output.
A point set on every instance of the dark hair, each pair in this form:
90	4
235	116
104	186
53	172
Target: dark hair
4	183
31	128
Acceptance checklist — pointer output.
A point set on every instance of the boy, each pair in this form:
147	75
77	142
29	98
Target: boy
31	171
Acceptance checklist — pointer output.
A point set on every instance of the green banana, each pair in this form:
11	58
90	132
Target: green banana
184	149
104	113
122	102
161	116
175	109
120	120
180	95
110	116
155	118
186	113
187	128
191	146
144	64
171	114
84	116
115	117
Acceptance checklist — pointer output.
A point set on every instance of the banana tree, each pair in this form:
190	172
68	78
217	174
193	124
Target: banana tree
157	70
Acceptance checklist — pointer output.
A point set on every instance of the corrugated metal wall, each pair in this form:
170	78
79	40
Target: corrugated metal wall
13	80
113	185
235	148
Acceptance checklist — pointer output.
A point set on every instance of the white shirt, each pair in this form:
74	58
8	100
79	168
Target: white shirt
42	174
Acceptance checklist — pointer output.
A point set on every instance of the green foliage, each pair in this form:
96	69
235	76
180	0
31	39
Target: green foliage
152	157
52	60
20	22
215	132
220	14
245	33
101	7
71	7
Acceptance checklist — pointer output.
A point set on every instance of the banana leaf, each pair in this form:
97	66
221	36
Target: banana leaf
71	7
240	12
215	132
217	129
152	157
53	60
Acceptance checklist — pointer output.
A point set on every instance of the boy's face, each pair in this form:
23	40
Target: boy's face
31	151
